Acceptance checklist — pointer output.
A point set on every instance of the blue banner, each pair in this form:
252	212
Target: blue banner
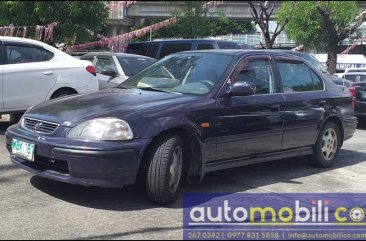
249	216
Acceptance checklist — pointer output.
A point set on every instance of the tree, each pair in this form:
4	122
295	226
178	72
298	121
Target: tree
214	27
192	17
74	17
262	17
322	25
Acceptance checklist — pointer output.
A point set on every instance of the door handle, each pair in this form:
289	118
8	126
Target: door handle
275	108
48	73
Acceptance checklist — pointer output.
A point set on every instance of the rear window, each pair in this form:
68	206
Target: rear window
145	49
351	77
171	48
228	45
134	65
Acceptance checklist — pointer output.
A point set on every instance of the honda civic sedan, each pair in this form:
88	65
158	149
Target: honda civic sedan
184	116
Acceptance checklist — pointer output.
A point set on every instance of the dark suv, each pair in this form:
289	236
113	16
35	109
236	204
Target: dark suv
160	49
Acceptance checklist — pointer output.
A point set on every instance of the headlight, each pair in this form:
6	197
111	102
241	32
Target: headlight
108	129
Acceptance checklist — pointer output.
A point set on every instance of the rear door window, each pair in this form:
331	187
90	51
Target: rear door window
228	45
204	46
298	77
145	49
23	54
2	54
171	48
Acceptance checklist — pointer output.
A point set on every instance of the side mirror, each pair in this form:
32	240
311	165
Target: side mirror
241	88
109	72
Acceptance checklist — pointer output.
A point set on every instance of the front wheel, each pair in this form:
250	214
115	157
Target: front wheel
63	93
327	146
164	175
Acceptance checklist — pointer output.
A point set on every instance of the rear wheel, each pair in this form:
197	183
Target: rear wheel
164	174
361	121
327	146
63	93
15	118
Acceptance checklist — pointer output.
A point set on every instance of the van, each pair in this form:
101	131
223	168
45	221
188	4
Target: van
345	61
160	49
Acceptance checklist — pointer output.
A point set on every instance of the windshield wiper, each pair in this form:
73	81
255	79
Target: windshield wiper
121	87
153	89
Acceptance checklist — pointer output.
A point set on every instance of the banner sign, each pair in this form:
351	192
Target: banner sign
274	216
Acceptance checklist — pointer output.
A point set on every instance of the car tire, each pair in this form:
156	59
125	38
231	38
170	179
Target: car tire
15	118
361	122
327	146
63	93
164	172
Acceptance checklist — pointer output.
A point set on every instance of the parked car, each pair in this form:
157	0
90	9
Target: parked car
160	49
360	103
354	77
353	70
32	72
114	68
186	115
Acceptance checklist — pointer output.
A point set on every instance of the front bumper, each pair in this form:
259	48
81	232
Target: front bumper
103	164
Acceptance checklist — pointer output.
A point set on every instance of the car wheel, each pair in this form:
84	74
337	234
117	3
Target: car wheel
63	93
361	122
15	118
164	174
327	146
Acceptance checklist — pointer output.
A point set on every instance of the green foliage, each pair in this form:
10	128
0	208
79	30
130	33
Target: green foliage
73	16
213	27
307	26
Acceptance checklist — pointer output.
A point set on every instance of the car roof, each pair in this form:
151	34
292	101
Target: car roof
355	73
22	40
115	54
185	40
242	52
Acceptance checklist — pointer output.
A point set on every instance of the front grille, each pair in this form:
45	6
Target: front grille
39	126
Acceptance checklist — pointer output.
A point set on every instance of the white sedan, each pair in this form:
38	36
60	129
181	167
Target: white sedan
32	72
115	68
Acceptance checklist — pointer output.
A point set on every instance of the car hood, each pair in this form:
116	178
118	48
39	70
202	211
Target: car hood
70	111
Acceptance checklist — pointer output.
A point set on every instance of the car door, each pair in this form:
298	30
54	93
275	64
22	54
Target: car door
27	76
305	102
105	81
248	126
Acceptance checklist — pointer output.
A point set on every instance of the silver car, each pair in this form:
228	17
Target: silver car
114	68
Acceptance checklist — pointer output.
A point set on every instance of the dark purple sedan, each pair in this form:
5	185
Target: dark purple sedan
188	114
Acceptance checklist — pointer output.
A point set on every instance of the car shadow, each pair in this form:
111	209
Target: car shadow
132	198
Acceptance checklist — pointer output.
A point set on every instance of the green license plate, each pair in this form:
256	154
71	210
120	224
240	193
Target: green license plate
23	149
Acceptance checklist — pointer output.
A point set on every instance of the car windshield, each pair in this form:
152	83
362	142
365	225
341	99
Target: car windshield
133	65
187	73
